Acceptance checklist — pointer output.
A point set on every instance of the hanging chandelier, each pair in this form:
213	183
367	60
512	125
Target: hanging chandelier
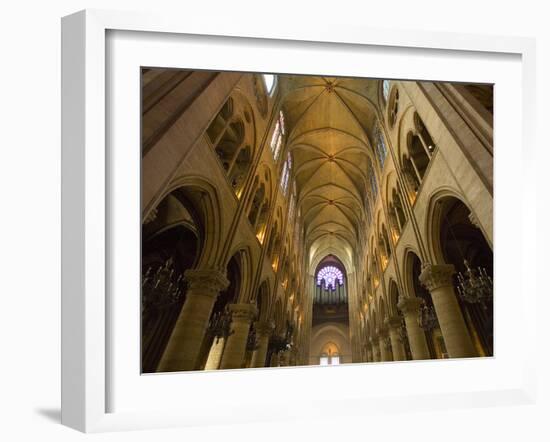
161	288
427	319
475	286
219	326
283	343
252	343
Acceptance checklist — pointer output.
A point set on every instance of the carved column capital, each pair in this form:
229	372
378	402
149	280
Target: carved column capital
208	281
409	304
393	322
436	276
244	312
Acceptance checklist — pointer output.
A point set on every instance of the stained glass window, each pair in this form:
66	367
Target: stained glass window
287	167
381	148
292	204
297	229
330	275
269	81
386	89
277	137
329	359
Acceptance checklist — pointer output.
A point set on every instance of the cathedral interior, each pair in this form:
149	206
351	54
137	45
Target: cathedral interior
293	220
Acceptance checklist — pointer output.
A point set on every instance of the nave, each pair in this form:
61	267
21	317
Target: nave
305	220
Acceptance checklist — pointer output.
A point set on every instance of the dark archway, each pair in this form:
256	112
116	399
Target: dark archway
330	284
170	245
460	240
331	313
220	310
434	337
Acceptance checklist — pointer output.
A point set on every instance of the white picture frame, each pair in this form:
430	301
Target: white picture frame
86	217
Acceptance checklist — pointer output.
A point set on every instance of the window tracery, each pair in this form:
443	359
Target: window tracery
330	359
230	136
394	107
269	81
381	148
420	147
277	137
287	167
292	203
386	90
330	275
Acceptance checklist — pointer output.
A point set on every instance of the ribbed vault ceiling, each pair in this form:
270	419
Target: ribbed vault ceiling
328	120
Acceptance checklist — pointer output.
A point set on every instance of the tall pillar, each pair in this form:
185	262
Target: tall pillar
284	358
274	359
385	352
369	353
183	347
215	354
410	306
375	349
263	333
438	280
398	349
293	359
235	348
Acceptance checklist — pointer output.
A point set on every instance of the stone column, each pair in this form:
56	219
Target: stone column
375	349
410	306
394	324
263	333
183	347
215	354
235	348
438	280
284	358
274	360
369	353
385	353
293	359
